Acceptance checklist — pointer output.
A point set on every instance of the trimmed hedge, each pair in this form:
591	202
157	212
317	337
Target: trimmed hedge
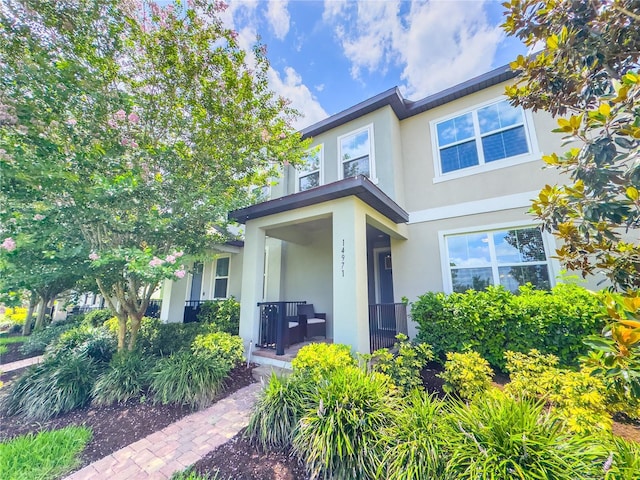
494	320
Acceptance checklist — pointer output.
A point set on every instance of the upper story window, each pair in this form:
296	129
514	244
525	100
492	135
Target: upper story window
221	278
356	153
510	257
481	136
309	173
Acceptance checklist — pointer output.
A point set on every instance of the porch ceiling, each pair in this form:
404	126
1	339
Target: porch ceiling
360	187
301	233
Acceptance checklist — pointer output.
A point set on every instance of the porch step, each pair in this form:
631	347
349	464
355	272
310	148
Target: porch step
269	358
262	373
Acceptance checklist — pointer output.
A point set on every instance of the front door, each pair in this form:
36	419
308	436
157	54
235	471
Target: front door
196	282
384	278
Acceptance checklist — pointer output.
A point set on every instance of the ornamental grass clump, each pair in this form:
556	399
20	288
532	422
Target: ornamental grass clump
58	385
623	462
279	407
188	379
498	437
127	376
341	434
466	374
319	360
417	448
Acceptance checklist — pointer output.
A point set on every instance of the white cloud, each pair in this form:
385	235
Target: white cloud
319	88
436	44
278	17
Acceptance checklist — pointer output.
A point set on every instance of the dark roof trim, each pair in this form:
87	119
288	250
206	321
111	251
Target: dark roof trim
406	108
359	186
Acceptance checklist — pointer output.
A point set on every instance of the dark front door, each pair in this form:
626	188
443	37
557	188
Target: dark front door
196	282
385	277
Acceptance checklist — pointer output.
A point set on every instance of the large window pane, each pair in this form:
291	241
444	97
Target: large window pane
355	146
459	156
497	116
469	250
513	277
309	181
464	279
222	267
505	144
220	288
455	130
359	166
311	161
518	246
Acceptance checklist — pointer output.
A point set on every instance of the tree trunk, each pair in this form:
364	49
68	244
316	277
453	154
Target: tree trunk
122	330
136	320
42	310
33	301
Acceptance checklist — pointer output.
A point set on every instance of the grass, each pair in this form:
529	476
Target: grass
4	341
46	455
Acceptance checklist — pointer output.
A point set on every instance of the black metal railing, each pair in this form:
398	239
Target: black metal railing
85	309
274	324
386	320
191	310
153	309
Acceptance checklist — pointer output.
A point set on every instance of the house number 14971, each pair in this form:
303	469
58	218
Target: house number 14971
342	257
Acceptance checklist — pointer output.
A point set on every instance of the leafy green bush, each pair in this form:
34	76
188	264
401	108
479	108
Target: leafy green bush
494	320
341	434
96	318
502	438
39	340
188	379
97	343
47	455
127	376
318	360
228	348
417	447
222	315
404	366
578	397
276	413
466	374
163	339
57	385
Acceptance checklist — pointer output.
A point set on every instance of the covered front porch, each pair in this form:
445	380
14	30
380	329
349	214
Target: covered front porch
329	248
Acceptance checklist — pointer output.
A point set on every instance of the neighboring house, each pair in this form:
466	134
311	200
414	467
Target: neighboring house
396	198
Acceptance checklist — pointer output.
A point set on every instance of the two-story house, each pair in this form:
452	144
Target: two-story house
396	198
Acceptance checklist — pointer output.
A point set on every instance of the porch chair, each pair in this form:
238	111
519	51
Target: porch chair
312	323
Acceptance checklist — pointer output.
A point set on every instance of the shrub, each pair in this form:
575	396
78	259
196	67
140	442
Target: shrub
38	341
499	437
58	385
493	321
222	315
188	379
164	339
96	318
48	454
127	376
319	360
340	436
466	374
276	413
404	366
16	315
226	347
96	343
417	449
578	398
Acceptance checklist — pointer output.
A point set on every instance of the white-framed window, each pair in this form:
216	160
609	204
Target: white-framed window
221	277
508	256
356	155
492	135
309	174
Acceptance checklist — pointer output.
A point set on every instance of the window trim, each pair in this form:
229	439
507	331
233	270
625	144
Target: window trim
532	143
320	170
547	241
372	157
214	277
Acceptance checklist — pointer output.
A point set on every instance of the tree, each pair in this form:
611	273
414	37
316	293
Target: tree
144	125
589	74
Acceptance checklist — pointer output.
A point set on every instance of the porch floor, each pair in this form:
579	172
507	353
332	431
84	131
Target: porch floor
289	353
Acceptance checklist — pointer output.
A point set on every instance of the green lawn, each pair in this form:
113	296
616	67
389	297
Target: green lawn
47	455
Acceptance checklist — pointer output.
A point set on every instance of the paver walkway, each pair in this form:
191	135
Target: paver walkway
8	367
161	454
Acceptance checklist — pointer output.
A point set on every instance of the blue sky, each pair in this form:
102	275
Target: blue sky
329	55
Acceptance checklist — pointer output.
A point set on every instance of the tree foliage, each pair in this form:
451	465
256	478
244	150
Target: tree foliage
141	125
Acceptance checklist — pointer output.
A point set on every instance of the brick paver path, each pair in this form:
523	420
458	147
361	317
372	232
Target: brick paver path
177	446
8	367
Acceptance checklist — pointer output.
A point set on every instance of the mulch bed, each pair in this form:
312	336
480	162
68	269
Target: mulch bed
118	425
13	354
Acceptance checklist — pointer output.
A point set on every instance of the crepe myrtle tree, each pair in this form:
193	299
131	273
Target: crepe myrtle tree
144	124
588	76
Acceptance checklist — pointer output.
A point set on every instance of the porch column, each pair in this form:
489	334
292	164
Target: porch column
350	292
252	278
174	294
